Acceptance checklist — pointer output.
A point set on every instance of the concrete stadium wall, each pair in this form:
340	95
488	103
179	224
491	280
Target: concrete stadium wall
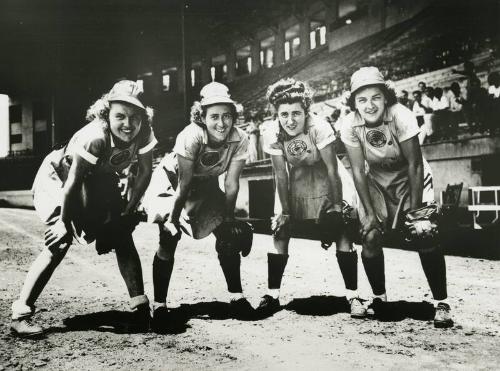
377	18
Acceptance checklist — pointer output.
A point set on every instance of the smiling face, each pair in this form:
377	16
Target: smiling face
124	120
219	121
370	102
292	118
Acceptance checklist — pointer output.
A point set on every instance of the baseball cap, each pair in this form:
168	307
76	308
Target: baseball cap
366	76
214	93
126	91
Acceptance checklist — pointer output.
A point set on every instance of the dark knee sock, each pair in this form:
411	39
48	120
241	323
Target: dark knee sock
435	271
230	264
348	264
276	264
374	268
162	271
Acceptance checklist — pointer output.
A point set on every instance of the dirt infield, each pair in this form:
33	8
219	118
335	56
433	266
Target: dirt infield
86	299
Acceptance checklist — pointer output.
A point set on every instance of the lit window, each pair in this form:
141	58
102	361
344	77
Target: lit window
322	35
249	64
312	39
212	73
166	82
287	50
224	68
193	77
261	57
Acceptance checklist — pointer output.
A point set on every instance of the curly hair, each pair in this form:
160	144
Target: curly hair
387	89
198	112
99	110
287	91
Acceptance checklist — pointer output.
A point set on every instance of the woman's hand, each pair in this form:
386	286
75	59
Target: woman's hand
172	226
57	234
279	221
370	223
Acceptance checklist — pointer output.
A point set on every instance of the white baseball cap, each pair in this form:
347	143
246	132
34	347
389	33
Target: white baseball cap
126	91
366	76
214	93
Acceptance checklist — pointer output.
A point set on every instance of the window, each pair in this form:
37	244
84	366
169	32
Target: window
193	77
287	50
212	73
317	37
166	82
267	52
249	64
15	113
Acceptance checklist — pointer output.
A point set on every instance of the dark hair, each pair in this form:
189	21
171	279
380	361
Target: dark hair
198	112
389	94
288	91
494	79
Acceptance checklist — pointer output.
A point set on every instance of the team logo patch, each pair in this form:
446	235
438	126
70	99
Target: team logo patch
296	147
376	138
120	157
209	158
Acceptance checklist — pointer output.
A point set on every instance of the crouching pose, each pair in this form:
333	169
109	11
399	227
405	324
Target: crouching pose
313	188
76	194
184	196
384	134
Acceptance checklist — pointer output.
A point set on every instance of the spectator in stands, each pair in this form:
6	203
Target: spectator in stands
469	72
383	133
493	114
456	103
313	189
253	132
476	106
76	194
423	115
184	195
441	119
405	100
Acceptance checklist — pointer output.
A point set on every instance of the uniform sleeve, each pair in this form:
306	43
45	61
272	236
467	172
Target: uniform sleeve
406	123
189	142
148	142
322	133
347	133
270	139
241	151
91	145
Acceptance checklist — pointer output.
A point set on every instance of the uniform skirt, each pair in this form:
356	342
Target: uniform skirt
203	210
97	202
310	194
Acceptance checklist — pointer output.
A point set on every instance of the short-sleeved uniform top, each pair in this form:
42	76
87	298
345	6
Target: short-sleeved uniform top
204	208
95	144
388	168
310	192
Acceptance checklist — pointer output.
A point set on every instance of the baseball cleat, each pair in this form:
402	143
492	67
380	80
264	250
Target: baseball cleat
268	306
442	318
357	308
25	328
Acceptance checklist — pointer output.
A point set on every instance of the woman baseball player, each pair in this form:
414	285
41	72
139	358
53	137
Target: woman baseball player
76	194
384	134
313	187
184	196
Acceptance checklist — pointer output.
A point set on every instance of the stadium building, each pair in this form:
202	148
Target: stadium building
57	59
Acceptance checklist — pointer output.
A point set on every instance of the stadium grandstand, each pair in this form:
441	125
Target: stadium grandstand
175	47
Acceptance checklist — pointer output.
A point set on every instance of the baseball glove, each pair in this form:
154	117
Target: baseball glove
421	223
236	235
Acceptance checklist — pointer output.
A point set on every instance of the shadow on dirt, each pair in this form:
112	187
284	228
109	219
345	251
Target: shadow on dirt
388	312
119	322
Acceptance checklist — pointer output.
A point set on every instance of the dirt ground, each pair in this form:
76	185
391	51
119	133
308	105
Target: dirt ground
86	298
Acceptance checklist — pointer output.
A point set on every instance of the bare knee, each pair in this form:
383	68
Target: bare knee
372	245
